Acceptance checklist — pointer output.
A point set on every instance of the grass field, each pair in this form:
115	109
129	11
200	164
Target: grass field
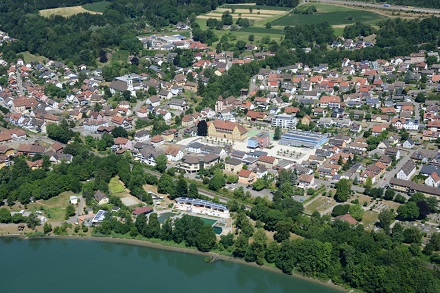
54	208
28	57
259	17
116	186
320	204
255	7
369	218
334	15
96	7
65	11
120	56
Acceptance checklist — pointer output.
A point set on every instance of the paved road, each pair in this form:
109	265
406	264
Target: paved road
329	184
20	82
380	6
405	155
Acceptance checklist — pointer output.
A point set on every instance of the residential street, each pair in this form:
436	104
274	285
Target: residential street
405	155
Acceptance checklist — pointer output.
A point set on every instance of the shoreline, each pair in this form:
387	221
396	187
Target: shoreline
160	246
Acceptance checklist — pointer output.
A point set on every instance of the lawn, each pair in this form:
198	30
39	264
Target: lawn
116	186
363	198
370	217
120	56
65	11
96	7
54	208
28	57
334	15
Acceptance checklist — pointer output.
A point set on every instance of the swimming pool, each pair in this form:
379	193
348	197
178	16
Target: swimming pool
163	217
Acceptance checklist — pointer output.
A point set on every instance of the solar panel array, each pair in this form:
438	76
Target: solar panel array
195	201
99	217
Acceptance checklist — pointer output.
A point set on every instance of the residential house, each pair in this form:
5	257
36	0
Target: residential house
267	161
30	149
173	154
142	135
157	140
233	165
123	143
393	153
101	198
194	147
178	104
306	181
246	177
433	180
409	144
255	116
330	101
407	171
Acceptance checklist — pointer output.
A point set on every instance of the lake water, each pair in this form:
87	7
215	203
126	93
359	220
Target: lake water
58	265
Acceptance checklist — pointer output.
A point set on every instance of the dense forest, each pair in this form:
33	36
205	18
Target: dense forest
81	37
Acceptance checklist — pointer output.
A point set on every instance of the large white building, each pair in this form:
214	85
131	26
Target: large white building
284	121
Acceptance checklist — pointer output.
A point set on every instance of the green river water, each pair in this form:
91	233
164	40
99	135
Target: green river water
61	265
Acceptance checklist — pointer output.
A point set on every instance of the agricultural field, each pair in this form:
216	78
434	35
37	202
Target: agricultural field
334	15
258	15
66	11
97	6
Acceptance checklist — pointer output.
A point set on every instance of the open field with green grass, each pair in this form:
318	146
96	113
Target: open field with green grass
116	186
96	7
65	11
334	15
369	218
259	17
54	208
28	57
120	56
255	7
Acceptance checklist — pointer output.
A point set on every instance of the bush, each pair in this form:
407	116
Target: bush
400	198
340	210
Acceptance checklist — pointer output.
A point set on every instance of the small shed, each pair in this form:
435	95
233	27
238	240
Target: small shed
73	199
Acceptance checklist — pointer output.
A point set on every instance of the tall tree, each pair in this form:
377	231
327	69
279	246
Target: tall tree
193	191
202	128
343	188
277	133
161	163
181	188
